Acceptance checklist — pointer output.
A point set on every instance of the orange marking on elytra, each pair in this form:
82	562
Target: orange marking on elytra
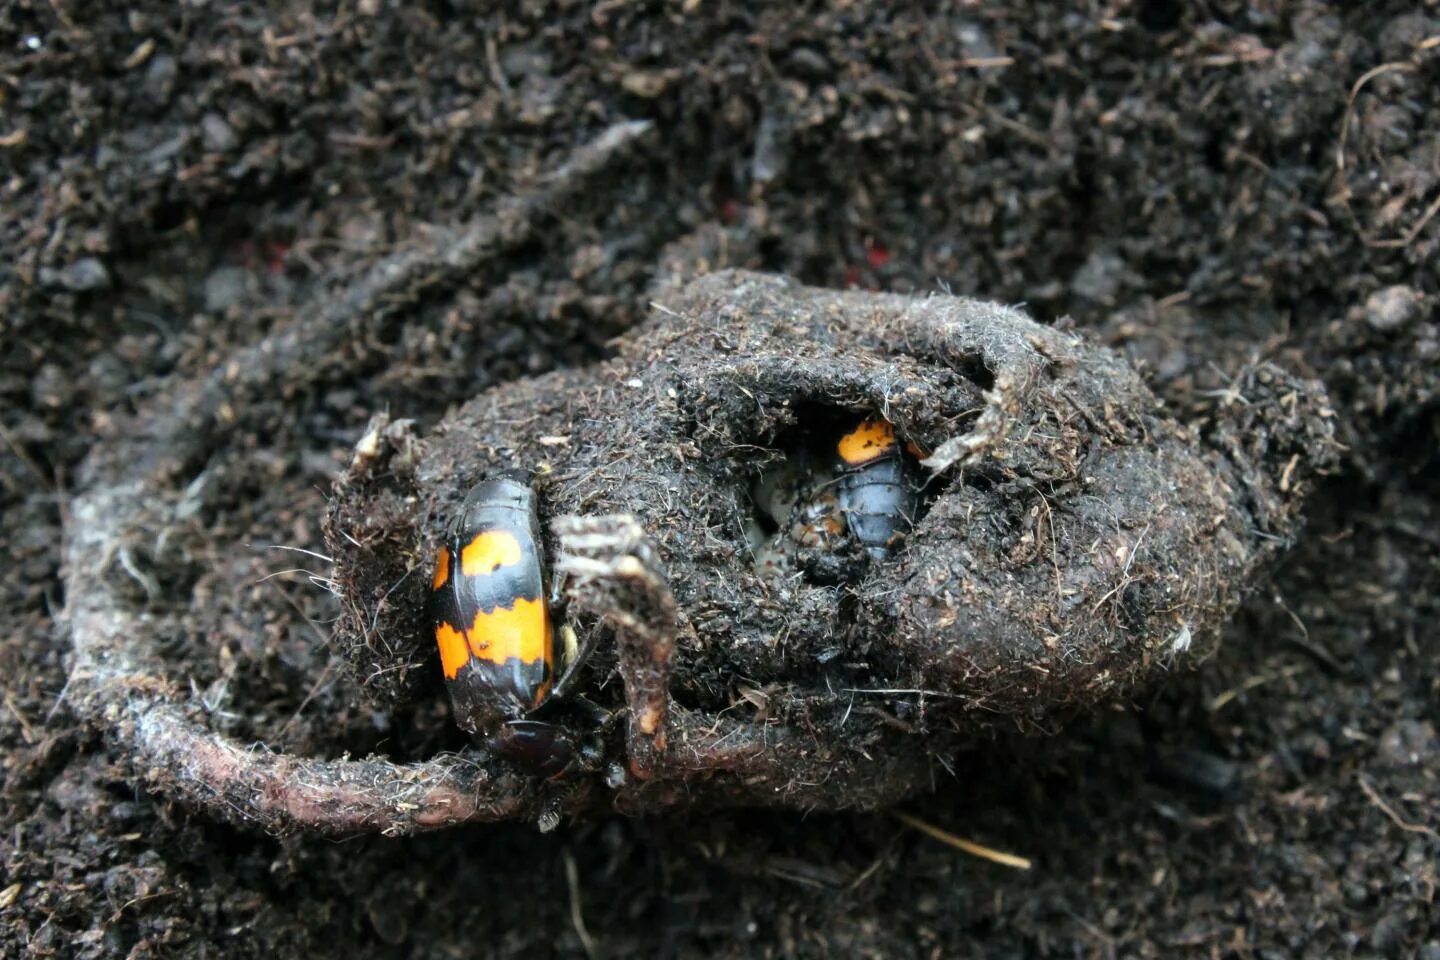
489	551
442	569
869	441
454	651
520	631
541	692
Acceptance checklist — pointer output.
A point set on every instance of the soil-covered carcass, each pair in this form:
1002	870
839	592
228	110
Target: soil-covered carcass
1063	541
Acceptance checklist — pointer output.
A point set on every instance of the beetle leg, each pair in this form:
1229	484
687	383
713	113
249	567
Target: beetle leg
614	575
573	654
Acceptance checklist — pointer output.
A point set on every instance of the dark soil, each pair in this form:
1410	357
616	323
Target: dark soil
405	191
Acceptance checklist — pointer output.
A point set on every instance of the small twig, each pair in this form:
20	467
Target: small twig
326	676
1389	811
1125	578
1410	235
872	869
1250	683
1396	243
977	63
960	843
1366	77
134	900
1304	641
25	458
26	729
577	914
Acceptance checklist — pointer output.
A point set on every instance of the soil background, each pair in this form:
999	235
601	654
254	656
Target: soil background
1201	185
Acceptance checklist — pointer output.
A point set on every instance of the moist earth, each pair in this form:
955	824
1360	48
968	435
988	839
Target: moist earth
1205	189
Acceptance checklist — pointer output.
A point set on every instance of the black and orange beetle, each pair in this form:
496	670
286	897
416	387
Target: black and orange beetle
878	494
851	499
493	625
